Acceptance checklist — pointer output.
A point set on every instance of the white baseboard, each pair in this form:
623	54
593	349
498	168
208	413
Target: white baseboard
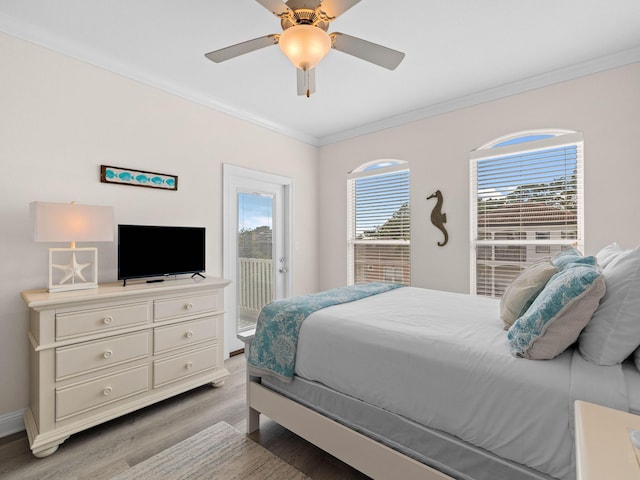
11	423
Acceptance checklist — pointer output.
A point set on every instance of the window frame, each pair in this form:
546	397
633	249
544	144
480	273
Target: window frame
369	169
510	145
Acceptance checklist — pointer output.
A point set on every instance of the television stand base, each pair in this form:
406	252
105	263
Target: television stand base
157	280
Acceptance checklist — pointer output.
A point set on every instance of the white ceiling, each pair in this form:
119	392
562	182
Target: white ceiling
458	53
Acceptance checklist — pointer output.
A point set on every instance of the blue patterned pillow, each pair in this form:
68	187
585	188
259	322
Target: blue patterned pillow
558	315
569	256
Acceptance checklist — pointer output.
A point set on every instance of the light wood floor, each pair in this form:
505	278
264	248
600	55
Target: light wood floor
107	449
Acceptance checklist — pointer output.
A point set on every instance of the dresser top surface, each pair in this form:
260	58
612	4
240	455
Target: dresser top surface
44	299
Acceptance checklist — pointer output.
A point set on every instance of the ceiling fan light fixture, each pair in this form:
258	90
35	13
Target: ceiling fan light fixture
305	45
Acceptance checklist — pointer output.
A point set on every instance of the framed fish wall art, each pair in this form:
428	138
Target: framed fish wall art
138	178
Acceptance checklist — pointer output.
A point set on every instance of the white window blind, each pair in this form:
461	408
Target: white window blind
379	226
526	205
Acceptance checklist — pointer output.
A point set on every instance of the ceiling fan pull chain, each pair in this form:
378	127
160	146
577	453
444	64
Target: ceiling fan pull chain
306	82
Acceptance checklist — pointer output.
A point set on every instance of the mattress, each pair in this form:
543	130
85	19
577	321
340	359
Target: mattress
437	449
441	360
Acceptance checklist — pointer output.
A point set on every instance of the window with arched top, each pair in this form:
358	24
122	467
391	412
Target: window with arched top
379	226
527	204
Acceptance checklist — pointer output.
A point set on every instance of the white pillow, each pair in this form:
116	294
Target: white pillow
614	330
523	290
607	254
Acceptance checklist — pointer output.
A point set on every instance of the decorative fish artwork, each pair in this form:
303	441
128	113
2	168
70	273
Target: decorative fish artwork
438	218
138	178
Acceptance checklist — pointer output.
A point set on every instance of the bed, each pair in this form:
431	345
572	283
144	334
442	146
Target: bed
425	384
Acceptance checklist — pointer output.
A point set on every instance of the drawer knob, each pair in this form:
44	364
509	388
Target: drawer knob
108	319
189	334
189	365
189	306
107	354
107	391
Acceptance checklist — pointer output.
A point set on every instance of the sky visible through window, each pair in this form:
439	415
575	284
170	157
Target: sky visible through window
541	166
254	210
374	214
375	166
524	139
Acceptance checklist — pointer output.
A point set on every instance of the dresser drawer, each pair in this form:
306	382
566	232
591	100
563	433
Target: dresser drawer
89	356
84	322
84	396
175	368
175	307
183	334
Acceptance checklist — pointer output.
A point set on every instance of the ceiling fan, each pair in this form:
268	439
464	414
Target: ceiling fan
305	41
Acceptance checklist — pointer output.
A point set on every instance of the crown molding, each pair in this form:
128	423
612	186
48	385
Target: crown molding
571	72
31	34
16	28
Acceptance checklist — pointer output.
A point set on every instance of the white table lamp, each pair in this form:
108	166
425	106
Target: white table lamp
72	268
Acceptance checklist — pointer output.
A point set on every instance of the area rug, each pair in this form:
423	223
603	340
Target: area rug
219	452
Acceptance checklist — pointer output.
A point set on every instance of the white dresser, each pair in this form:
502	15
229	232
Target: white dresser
98	354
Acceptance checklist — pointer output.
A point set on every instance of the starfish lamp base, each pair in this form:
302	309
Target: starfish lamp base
73	269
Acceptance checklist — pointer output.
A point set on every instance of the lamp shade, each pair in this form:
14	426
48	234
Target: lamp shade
305	45
69	222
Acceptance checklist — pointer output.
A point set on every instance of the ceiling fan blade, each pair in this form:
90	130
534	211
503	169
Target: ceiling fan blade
277	7
334	8
241	48
306	81
371	52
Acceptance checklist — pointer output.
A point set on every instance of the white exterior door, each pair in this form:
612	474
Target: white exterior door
256	246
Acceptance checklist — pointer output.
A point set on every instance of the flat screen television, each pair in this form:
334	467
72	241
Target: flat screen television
159	251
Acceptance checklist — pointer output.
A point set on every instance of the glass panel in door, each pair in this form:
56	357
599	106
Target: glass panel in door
255	257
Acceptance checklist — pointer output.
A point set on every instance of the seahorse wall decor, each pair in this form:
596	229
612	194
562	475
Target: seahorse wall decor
438	218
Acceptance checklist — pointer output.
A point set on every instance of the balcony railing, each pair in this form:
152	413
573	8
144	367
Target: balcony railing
255	277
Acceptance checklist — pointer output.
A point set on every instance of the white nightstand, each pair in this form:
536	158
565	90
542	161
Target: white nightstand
603	446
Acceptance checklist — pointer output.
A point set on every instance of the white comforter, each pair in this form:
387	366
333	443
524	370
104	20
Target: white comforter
442	359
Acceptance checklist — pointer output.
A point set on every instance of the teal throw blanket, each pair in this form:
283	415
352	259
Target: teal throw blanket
273	349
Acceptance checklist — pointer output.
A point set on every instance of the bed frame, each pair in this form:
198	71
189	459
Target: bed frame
364	454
